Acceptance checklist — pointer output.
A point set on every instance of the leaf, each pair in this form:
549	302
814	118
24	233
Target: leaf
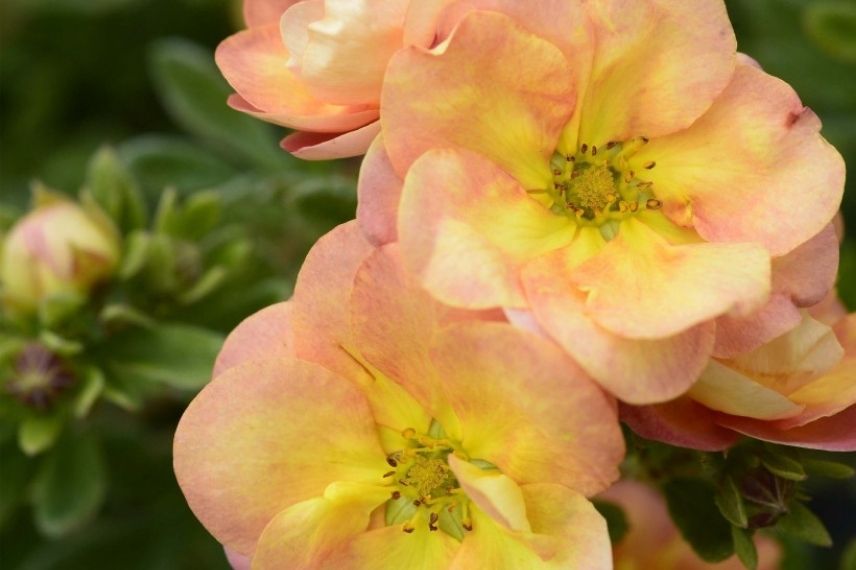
36	434
176	355
15	476
848	559
691	505
730	504
831	469
69	486
616	520
801	523
195	94
832	25
776	460
93	386
115	190
744	546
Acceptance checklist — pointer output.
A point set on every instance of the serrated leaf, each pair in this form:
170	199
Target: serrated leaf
730	504
36	434
692	508
70	485
744	547
801	523
616	520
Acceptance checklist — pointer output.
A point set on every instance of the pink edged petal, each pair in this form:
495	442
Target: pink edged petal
237	561
493	87
378	195
254	63
265	435
321	146
671	288
658	66
389	548
835	433
306	534
754	168
736	335
636	371
261	336
830	311
681	422
524	406
567	532
421	22
825	396
466	228
807	273
497	495
321	321
261	12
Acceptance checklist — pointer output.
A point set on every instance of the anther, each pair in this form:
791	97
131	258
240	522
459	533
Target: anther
467	525
432	522
408	529
653	204
396	495
650	165
634	206
610	145
623	206
417	502
645	140
594	150
584	148
388	474
557	172
571	158
391	462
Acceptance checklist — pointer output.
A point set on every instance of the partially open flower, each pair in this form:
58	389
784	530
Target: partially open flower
38	377
653	541
57	248
616	176
363	425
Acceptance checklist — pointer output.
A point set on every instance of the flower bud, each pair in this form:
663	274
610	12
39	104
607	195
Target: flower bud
39	377
57	248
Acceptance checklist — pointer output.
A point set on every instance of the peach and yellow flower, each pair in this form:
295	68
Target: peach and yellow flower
616	176
798	389
363	425
57	248
653	541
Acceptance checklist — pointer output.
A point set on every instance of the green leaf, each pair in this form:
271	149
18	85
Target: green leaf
848	559
115	190
801	523
36	434
70	485
194	93
59	308
831	469
776	460
691	505
832	25
125	315
616	520
135	255
744	546
15	476
730	504
93	386
211	280
177	355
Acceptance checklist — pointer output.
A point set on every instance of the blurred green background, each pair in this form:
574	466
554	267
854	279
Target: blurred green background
139	75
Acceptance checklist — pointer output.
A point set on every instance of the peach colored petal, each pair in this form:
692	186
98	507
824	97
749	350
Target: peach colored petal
304	535
421	22
261	12
681	422
294	29
845	331
326	146
670	288
658	66
493	87
738	334
378	195
265	435
834	433
567	532
347	51
634	370
466	227
496	494
825	396
263	335
321	320
829	311
254	63
807	273
504	386
237	561
754	168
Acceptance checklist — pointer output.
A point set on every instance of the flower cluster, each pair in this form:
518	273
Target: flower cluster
568	211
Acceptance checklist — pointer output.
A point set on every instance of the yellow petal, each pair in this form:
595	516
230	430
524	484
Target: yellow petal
495	494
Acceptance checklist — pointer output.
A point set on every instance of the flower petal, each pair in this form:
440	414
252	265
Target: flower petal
754	168
254	63
322	323
493	87
502	384
306	534
265	435
261	336
261	12
378	195
567	532
827	395
670	288
681	422
466	228
658	66
736	335
326	146
496	494
834	433
808	273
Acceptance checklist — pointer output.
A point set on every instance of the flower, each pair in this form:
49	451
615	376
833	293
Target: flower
798	389
363	425
38	377
57	248
614	175
653	541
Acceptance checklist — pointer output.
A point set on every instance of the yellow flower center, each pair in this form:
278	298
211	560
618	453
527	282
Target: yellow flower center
597	187
425	488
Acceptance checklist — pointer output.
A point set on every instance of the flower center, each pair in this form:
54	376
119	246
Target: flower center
425	488
39	377
596	186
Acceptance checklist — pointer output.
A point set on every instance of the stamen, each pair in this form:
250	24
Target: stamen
396	495
650	165
653	204
594	150
584	148
388	474
432	522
